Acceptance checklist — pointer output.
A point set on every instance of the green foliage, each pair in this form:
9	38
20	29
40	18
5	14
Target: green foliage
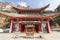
13	11
57	19
10	11
6	11
5	26
47	11
7	23
57	9
52	22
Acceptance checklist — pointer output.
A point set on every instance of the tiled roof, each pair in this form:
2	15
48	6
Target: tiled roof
29	15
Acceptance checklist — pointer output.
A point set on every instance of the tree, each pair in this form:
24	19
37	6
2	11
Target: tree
47	11
57	9
57	19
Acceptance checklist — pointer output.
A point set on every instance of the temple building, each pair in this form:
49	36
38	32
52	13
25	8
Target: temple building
29	19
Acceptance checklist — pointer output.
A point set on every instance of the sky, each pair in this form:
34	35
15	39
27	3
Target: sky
35	3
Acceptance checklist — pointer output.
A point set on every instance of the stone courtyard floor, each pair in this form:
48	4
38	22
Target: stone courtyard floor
54	35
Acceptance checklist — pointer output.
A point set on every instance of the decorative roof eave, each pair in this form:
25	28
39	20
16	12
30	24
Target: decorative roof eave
12	15
31	9
53	16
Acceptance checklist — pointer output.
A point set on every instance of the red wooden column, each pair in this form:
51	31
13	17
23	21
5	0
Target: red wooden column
39	25
20	25
26	28
11	26
48	26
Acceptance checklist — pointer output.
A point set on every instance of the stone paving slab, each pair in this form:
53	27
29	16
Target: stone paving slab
52	36
46	36
11	36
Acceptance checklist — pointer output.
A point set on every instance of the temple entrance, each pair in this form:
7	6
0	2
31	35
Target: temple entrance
15	27
44	27
29	28
25	27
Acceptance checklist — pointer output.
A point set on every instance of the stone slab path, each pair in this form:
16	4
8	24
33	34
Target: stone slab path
46	36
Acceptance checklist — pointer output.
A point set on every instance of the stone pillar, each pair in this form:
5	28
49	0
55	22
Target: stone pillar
11	26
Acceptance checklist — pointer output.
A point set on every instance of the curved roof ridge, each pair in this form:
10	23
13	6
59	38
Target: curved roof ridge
16	8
